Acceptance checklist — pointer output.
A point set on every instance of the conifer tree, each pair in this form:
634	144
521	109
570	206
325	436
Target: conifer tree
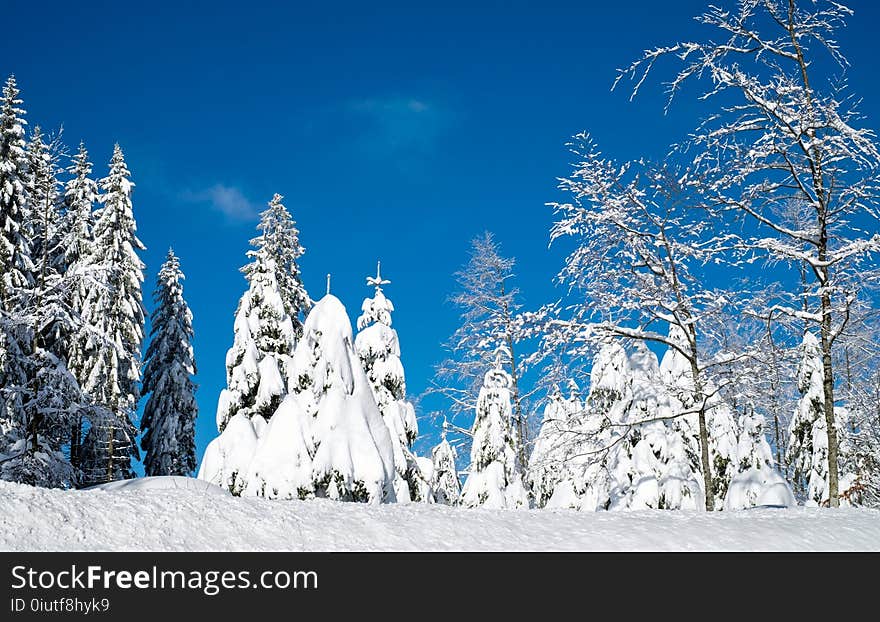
115	311
169	416
445	485
80	196
328	438
280	237
15	252
378	347
494	480
807	441
16	269
259	361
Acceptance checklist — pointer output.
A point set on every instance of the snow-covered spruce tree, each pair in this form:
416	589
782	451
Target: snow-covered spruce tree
111	368
445	485
547	458
616	450
494	479
328	438
378	347
659	472
258	363
15	252
168	423
784	130
639	265
80	197
53	396
808	455
488	301
15	264
722	432
280	237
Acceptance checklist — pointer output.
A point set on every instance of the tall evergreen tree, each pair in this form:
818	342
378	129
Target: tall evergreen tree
115	310
378	347
16	269
169	415
494	481
15	252
80	196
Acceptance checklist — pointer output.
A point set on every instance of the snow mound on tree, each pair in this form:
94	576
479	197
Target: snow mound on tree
228	457
756	487
354	456
162	482
281	467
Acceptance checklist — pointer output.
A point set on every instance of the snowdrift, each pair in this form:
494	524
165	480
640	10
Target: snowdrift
156	516
166	482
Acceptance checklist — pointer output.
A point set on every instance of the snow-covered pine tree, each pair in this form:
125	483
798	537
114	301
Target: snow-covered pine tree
378	347
722	433
756	481
16	269
445	485
53	396
494	479
114	309
280	237
168	423
259	361
15	252
807	438
80	196
660	474
545	461
328	438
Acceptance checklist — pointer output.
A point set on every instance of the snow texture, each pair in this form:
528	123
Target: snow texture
186	519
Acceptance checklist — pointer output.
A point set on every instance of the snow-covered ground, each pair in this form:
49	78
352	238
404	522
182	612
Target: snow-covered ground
173	514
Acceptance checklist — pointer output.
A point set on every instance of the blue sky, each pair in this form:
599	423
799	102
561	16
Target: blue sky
395	132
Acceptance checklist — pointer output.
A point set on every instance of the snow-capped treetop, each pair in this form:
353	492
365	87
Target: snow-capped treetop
610	372
810	371
80	196
329	334
279	237
376	310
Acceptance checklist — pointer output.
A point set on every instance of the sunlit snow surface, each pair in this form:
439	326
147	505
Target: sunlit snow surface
163	516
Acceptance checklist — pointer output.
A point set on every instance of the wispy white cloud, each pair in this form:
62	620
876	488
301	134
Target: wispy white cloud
228	200
400	126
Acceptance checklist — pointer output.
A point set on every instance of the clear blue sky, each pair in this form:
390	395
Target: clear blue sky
394	132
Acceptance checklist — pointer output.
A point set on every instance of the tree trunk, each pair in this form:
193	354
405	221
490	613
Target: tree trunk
828	389
110	454
708	486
